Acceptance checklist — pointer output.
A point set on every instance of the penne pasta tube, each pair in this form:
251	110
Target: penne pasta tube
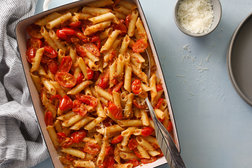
100	3
99	109
127	78
144	118
37	60
104	93
112	37
112	74
128	113
106	33
107	131
45	20
47	38
143	152
97	27
57	126
81	123
140	74
117	155
95	11
58	88
153	86
58	21
71	121
122	10
120	66
37	82
51	89
79	87
83	67
81	163
82	16
117	99
56	40
102	18
140	30
130	123
52	133
132	23
102	153
125	44
125	165
129	131
93	123
127	4
74	152
125	140
160	114
128	156
119	15
123	148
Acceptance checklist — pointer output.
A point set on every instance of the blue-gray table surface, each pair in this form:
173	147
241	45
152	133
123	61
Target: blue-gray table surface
214	124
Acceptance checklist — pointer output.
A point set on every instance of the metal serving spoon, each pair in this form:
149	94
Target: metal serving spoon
164	139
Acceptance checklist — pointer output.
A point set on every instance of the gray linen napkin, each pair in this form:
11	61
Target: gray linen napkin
21	144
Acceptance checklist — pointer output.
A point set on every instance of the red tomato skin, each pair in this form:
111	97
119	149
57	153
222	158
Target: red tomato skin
159	87
30	54
34	31
65	79
48	118
135	162
78	136
90	74
80	51
66	103
34	43
136	86
117	139
75	24
138	105
79	108
118	86
65	32
146	161
140	46
159	103
104	81
109	150
132	144
115	111
89	100
66	64
97	41
50	52
91	148
146	131
169	127
121	26
79	78
53	67
92	48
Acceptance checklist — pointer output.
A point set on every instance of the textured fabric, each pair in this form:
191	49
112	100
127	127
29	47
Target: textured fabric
21	144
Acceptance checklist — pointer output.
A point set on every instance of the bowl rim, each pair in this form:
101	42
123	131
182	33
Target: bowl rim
183	30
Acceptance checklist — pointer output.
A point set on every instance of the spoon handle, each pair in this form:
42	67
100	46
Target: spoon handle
165	141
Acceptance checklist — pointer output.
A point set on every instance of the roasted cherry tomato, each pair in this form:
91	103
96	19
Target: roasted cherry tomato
115	111
136	86
89	100
118	86
66	103
30	54
75	24
78	136
50	52
104	80
109	150
121	26
91	148
53	67
139	105
146	161
135	162
79	78
61	136
65	79
146	131
82	37
132	144
92	48
159	87
65	32
80	51
140	45
169	126
66	142
97	41
48	118
79	108
159	103
90	74
34	31
66	64
34	43
117	139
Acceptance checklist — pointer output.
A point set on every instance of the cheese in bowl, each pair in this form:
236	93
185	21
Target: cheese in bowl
88	66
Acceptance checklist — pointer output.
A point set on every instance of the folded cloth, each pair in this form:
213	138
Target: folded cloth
21	144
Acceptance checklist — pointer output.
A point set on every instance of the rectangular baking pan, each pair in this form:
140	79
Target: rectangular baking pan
22	37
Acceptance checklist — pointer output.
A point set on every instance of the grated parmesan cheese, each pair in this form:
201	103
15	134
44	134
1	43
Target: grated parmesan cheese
195	15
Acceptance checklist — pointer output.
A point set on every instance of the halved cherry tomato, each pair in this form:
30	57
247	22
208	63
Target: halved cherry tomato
118	86
78	136
65	32
34	31
90	74
82	37
139	46
30	54
117	139
92	48
79	78
146	131
132	144
146	161
159	103
169	127
97	41
66	103
109	150
48	118
127	20
66	142
121	26
50	52
91	148
139	105
135	162
104	80
80	51
75	24
53	66
34	43
61	136
65	79
136	86
66	64
159	87
79	108
115	111
89	100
